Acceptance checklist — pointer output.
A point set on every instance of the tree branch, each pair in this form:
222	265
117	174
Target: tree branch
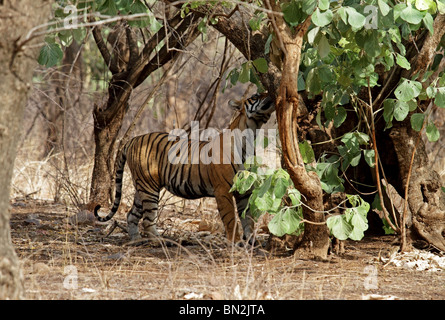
426	56
179	39
132	44
97	34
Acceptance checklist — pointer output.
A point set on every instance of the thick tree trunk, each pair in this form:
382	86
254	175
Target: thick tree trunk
425	217
105	136
316	235
16	74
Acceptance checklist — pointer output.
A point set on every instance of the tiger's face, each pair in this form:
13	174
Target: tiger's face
253	112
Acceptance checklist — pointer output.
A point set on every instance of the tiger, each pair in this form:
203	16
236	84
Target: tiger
155	162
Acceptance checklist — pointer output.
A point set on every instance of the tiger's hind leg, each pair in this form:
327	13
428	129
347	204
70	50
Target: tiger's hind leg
145	207
133	217
149	212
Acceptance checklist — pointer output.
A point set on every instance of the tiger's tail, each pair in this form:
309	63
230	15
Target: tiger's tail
121	159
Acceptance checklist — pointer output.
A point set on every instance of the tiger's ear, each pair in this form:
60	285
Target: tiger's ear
235	104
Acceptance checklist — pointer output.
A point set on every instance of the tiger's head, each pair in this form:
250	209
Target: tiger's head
253	112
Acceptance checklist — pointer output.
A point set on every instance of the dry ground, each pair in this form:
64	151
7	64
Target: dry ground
71	261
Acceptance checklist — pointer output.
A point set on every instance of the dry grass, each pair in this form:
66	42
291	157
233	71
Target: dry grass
203	266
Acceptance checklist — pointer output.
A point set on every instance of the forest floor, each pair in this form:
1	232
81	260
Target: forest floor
63	259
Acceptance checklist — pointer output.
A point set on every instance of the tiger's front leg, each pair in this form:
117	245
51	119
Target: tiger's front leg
226	208
247	222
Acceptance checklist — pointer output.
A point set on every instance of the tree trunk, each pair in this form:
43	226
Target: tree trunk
16	74
425	214
316	235
105	135
426	202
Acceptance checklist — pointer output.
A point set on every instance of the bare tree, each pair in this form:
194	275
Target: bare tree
17	63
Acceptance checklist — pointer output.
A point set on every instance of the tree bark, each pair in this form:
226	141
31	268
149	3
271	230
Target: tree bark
316	235
18	17
425	214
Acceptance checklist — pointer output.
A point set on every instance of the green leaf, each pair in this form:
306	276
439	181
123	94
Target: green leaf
323	4
309	6
388	110
340	116
267	45
440	98
328	174
244	75
313	82
428	22
321	19
441	6
284	222
423	5
261	65
295	196
369	156
280	188
312	34
79	34
432	133
361	137
401	110
384	7
408	90
343	14
355	19
265	187
402	61
417	121
431	92
255	22
50	55
109	8
248	182
292	13
411	15
353	223
360	225
372	44
306	152
202	26
339	227
398	8
243	181
323	47
264	203
234	76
